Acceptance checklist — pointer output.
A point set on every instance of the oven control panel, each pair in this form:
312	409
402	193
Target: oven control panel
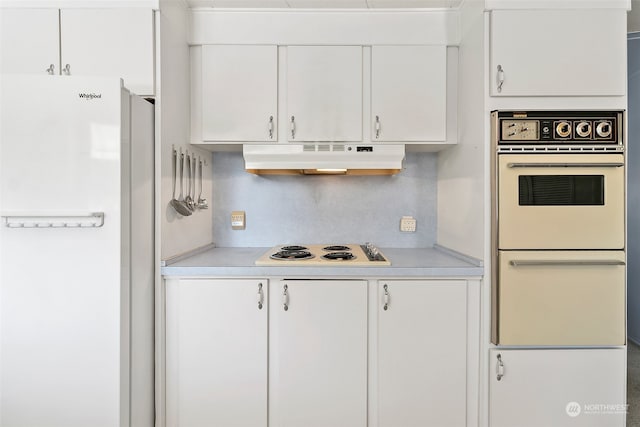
559	127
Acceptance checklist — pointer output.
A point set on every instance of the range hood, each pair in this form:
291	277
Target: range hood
323	159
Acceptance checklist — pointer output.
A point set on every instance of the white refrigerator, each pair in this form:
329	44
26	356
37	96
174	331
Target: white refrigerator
76	253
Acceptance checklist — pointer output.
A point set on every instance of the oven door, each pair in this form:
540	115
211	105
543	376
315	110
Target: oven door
561	298
560	201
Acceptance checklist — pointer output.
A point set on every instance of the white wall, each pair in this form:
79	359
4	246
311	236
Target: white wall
178	234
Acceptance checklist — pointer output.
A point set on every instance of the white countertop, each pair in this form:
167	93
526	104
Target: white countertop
405	262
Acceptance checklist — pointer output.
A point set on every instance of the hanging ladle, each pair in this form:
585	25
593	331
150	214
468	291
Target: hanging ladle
175	203
202	203
188	200
184	209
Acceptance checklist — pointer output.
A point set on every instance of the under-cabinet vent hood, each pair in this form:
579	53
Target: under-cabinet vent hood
316	159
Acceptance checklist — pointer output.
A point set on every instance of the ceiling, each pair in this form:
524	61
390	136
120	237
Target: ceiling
326	4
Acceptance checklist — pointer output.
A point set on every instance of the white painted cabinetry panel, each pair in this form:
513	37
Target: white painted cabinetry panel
422	353
110	42
318	354
29	41
114	42
581	387
239	93
408	93
324	93
216	363
558	52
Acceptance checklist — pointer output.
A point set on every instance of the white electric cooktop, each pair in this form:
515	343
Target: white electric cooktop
329	255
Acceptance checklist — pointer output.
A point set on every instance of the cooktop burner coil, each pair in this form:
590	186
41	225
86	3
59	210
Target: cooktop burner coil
292	255
336	248
339	256
294	248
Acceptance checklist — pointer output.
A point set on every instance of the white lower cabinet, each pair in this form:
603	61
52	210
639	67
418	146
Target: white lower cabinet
422	353
318	353
569	387
216	353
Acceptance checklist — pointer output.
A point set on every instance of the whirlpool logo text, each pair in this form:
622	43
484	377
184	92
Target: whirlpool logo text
90	96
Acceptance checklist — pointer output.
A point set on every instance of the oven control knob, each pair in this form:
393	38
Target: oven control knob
563	129
604	129
583	129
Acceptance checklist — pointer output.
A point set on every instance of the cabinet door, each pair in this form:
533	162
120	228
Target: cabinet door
239	93
408	93
324	93
110	42
29	41
558	52
318	354
216	353
422	347
557	388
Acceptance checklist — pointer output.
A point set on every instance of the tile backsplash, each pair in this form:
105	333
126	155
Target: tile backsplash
324	209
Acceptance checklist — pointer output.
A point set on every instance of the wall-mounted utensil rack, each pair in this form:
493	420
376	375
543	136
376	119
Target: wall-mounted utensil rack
53	220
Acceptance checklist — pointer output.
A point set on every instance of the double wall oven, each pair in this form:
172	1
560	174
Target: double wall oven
558	228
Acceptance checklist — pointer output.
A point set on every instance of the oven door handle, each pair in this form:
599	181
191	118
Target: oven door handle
563	262
565	165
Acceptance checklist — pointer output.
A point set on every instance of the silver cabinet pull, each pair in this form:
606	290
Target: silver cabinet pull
564	262
67	70
270	127
377	127
51	69
293	127
499	368
260	296
500	78
564	165
285	298
387	297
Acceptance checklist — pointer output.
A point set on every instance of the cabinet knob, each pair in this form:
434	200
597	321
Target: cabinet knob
67	70
387	297
260	296
270	127
500	78
293	127
499	367
51	70
377	127
285	298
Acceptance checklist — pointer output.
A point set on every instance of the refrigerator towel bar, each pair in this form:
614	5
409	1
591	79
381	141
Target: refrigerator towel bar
88	220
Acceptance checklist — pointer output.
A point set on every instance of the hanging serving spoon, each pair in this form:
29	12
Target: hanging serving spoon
180	198
189	200
175	203
202	203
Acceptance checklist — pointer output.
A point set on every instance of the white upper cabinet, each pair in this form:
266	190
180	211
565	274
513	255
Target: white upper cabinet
422	353
408	93
318	353
324	93
558	52
29	41
110	42
114	42
239	93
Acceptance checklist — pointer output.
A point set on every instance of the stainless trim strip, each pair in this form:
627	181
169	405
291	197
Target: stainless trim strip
544	263
565	165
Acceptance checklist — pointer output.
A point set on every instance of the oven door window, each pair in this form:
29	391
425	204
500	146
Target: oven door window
561	190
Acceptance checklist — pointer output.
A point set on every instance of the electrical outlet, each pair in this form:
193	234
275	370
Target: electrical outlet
238	220
408	224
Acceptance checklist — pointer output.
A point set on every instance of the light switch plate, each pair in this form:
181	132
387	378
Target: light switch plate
408	224
238	220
